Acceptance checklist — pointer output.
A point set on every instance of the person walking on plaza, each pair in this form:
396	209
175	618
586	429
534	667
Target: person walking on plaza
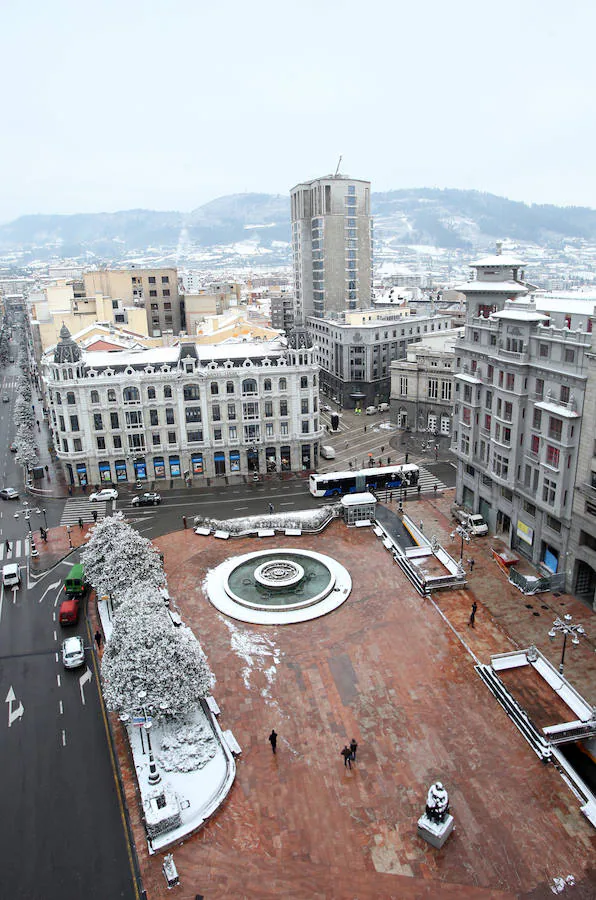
95	515
8	546
81	524
473	615
471	564
353	749
347	755
271	509
98	639
273	740
407	455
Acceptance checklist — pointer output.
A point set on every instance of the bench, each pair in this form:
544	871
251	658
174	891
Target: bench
222	535
212	704
232	742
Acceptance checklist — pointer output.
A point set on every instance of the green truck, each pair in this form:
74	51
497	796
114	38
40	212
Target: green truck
74	583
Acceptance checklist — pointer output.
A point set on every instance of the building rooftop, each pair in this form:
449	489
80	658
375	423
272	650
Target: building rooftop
496	259
491	287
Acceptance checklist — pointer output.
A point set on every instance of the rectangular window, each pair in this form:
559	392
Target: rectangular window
195	436
510	383
97	422
555	428
284	429
153	293
535	444
78	445
501	465
233	432
283	407
74	423
304	407
549	491
565	393
250	410
171	437
117	442
466	415
151	279
569	355
169	415
156	439
231	411
269	429
433	388
403	385
114	421
445	390
543	350
269	409
216	412
153	417
101	443
537	419
552	456
305	424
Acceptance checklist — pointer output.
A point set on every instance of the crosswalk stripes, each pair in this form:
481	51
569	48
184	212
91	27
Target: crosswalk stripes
75	509
18	549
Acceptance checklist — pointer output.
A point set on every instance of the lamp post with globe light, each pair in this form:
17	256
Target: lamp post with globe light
462	532
566	627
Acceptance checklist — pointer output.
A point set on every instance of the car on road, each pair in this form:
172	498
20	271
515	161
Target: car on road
325	407
73	652
14	447
150	498
11	575
5	398
371	410
9	494
105	494
69	611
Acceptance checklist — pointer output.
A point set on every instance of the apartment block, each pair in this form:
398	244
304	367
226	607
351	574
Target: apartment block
155	290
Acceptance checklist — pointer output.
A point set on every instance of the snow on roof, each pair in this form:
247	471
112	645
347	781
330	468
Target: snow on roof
496	260
567	302
152	357
470	379
238	349
157	356
357	499
491	287
557	409
520	315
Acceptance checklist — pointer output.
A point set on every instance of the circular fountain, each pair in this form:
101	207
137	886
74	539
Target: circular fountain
279	586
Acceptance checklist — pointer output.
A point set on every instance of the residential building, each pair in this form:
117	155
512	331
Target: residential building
331	246
422	384
519	407
154	290
184	411
236	324
356	352
282	310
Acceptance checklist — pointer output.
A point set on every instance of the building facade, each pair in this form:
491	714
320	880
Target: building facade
520	385
331	246
355	354
187	411
422	385
156	290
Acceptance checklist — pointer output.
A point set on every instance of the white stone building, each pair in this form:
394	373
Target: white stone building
183	411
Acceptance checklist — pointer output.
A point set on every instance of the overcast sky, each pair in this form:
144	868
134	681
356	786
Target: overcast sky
166	105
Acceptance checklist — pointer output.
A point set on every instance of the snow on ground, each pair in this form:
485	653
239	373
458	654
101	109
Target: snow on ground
305	520
257	651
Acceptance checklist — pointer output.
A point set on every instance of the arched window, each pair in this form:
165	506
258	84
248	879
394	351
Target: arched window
283	384
58	398
111	395
249	386
94	396
131	395
70	373
303	382
70	398
229	387
267	384
314	381
150	393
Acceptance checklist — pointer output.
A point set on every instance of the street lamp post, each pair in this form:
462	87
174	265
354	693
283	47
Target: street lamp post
566	627
154	776
45	519
465	536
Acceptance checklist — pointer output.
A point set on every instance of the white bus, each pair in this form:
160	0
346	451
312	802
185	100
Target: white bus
333	484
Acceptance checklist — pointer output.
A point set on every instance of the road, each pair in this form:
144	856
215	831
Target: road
64	833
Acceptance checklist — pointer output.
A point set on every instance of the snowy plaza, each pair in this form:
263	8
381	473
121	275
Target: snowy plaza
395	671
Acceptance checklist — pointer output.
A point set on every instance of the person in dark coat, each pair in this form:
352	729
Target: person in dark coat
98	639
473	615
273	740
81	524
353	748
95	515
347	755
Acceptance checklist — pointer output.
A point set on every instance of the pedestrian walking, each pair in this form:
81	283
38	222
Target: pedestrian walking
419	489
271	509
353	748
81	524
471	564
95	515
421	525
365	429
473	615
38	428
436	453
435	488
347	445
347	755
388	460
70	490
390	496
273	740
98	639
8	546
407	455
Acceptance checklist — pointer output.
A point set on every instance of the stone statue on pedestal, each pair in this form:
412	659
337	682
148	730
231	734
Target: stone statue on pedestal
436	824
437	803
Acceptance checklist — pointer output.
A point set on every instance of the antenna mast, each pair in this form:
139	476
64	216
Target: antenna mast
338	165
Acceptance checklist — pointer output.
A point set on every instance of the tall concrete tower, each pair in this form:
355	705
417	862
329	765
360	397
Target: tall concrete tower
331	245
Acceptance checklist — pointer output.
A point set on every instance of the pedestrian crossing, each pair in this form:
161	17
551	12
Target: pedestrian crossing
426	482
75	509
18	550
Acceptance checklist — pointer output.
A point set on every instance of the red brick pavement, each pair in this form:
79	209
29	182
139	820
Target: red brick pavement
387	669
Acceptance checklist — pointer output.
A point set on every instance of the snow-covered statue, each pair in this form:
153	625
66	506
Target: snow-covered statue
437	802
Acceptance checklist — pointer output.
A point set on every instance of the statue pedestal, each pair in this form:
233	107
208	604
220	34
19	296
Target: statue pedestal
435	833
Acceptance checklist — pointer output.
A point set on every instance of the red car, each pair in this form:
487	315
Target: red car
69	611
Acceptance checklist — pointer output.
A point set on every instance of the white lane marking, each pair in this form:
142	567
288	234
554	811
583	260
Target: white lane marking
57	655
61	708
64	739
15	714
288	503
85	677
49	588
237	508
58	680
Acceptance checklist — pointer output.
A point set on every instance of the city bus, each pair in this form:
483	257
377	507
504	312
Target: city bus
333	484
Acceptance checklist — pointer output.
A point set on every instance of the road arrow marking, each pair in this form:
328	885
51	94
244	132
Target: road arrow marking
50	587
85	677
13	715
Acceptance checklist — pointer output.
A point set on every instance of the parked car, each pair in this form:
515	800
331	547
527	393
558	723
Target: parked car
104	494
150	498
325	407
5	398
473	522
9	494
74	583
69	611
73	652
327	452
371	410
383	407
14	447
11	575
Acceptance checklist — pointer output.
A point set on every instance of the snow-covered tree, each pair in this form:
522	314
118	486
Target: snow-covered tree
147	653
24	389
117	558
23	413
26	451
142	595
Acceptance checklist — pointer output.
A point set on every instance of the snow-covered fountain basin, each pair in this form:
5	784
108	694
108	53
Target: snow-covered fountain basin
278	586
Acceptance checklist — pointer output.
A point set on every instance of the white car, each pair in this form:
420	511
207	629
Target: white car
73	652
325	407
11	575
105	494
